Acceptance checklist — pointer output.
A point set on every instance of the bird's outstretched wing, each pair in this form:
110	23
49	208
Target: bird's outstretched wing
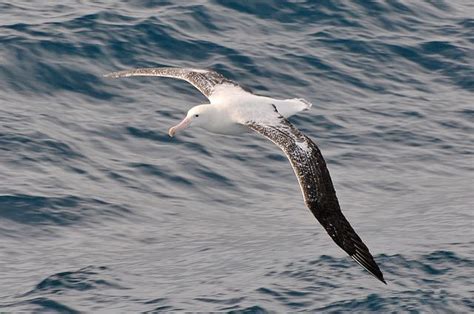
316	185
205	81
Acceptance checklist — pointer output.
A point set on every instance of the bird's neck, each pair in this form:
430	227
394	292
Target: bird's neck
220	121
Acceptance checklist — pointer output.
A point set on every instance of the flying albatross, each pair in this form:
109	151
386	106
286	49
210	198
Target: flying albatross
234	110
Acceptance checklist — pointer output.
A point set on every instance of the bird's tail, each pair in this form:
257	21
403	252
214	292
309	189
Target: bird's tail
306	104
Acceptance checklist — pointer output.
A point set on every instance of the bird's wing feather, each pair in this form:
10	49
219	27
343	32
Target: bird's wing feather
205	81
316	185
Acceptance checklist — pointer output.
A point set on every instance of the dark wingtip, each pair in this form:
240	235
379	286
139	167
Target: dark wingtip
112	75
368	263
380	277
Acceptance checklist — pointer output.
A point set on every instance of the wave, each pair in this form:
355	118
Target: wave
326	284
89	158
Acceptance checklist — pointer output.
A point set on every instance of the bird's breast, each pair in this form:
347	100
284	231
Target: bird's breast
228	129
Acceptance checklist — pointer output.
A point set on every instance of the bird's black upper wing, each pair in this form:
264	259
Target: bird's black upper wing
316	185
205	81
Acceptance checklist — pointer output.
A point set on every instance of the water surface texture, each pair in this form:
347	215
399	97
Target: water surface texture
101	211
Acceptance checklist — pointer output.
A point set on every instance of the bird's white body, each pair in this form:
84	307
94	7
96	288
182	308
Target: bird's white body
231	106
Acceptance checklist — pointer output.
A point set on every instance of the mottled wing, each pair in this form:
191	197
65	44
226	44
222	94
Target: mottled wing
316	185
204	80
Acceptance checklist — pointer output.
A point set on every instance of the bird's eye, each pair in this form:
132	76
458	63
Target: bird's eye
196	115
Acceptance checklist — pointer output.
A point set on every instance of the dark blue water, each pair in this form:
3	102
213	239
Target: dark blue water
101	211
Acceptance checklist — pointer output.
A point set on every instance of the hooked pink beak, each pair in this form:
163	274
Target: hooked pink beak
180	126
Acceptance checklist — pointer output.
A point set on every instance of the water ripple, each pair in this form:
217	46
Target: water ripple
209	223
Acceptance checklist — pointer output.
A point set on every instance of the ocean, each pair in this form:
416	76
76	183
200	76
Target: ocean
101	211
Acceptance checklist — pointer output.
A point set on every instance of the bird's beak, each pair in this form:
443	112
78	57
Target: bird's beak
180	126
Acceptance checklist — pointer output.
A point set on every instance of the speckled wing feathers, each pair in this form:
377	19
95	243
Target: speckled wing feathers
204	80
318	191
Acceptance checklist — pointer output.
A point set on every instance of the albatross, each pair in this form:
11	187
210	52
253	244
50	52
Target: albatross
233	109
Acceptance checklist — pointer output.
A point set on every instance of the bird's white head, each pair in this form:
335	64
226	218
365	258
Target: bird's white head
197	115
